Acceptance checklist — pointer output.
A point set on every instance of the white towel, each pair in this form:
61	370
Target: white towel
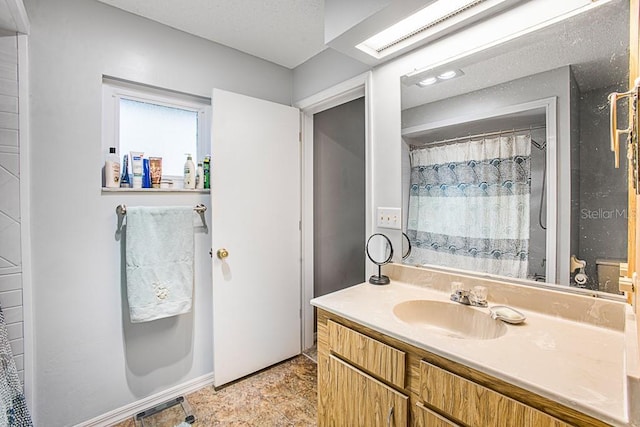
159	259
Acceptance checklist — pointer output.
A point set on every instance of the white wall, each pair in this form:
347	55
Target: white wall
326	69
90	359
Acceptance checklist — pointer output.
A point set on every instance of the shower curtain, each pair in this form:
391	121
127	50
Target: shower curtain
469	205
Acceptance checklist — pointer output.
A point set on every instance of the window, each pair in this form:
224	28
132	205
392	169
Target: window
159	123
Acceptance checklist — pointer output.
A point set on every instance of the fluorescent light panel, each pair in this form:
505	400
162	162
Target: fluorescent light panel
433	19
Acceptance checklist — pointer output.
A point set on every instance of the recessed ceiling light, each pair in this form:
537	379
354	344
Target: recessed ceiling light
428	81
447	75
437	17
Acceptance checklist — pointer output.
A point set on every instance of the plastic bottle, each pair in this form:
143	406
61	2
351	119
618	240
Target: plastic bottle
112	169
189	174
125	180
207	171
146	174
200	177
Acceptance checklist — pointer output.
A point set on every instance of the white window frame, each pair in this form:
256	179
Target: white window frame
114	90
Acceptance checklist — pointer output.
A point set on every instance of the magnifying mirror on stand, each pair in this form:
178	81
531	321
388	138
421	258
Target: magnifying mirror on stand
380	251
406	246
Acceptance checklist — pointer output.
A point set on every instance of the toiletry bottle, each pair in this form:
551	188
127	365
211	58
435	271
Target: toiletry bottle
125	182
112	169
146	174
206	165
136	168
200	177
189	174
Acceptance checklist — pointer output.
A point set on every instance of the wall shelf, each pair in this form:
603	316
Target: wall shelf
154	190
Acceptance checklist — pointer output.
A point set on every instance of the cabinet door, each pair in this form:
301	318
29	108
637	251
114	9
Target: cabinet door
424	417
476	405
356	399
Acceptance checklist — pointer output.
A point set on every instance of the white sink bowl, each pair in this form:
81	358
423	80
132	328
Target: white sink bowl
450	319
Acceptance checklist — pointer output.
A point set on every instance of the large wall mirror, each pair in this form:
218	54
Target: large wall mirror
506	162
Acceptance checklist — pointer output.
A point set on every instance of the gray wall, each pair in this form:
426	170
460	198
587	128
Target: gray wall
90	359
10	221
531	88
323	71
339	197
575	168
603	189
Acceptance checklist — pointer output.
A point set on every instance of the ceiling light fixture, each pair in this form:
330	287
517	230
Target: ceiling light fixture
435	77
434	19
447	75
428	81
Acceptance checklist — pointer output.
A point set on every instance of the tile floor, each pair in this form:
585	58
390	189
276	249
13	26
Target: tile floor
283	395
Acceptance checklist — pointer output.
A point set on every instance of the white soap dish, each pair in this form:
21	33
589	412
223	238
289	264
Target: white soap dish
507	314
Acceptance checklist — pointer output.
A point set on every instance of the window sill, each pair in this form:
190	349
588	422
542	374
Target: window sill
154	190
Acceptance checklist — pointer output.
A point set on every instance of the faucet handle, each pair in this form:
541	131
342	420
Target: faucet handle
455	287
479	296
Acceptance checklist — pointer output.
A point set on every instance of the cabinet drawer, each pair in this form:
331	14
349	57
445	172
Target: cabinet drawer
474	404
425	417
367	353
357	399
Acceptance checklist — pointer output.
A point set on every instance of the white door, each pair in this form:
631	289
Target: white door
255	198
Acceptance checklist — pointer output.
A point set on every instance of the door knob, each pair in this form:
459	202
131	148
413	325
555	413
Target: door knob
222	253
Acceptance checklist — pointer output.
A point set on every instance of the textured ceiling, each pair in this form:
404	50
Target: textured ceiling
286	32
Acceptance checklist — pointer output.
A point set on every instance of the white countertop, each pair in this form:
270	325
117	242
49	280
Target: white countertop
576	364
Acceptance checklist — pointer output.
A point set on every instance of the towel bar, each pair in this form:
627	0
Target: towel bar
122	209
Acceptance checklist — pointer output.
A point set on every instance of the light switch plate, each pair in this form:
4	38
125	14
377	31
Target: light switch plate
389	218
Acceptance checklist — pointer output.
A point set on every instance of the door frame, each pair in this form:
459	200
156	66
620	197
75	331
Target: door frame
341	93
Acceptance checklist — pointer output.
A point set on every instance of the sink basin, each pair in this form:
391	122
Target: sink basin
450	319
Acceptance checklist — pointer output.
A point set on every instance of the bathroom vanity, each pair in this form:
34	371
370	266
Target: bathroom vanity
383	361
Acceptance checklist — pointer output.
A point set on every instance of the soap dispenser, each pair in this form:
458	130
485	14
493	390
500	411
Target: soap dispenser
189	174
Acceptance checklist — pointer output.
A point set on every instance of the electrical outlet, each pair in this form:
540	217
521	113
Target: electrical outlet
389	218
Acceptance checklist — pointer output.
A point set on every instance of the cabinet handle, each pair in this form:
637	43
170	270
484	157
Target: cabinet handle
390	417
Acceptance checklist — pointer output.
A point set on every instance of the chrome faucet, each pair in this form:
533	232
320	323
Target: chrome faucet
461	296
465	297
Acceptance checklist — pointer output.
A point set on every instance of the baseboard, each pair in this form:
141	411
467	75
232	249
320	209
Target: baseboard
121	414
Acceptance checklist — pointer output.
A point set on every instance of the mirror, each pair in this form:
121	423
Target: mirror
380	252
506	165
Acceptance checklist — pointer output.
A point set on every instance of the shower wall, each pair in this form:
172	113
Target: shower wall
537	211
603	189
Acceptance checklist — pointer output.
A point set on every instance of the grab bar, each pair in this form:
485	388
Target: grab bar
122	209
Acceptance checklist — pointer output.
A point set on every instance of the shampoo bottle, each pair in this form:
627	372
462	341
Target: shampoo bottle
112	169
200	177
125	181
206	166
189	174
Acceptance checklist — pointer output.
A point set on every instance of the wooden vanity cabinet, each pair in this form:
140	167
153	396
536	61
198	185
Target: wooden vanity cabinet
357	399
366	378
358	375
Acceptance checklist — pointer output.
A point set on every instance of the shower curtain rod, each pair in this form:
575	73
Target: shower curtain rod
481	135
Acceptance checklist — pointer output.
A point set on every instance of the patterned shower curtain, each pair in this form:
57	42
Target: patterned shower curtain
13	407
469	205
